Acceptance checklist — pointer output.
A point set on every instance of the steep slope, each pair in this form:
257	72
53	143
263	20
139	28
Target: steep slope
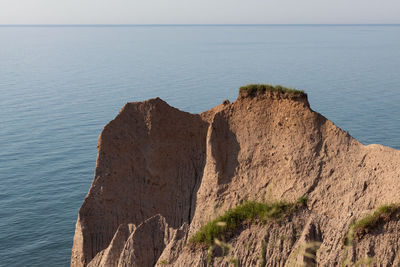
150	158
162	173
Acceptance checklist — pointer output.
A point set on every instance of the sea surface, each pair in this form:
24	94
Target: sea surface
60	85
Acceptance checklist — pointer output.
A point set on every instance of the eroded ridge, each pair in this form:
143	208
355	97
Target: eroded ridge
163	174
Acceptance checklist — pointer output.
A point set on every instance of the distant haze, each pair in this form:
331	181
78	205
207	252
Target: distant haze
199	12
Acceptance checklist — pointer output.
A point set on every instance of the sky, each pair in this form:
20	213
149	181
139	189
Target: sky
199	11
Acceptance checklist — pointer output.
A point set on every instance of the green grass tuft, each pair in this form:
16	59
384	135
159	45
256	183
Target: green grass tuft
227	224
303	200
253	89
363	226
163	262
370	221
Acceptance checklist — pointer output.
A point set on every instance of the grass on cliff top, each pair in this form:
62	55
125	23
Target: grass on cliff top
254	88
225	225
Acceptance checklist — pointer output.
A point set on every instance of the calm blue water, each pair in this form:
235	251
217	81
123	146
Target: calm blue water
60	85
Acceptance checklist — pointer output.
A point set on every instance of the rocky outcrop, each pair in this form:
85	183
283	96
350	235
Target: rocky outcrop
162	173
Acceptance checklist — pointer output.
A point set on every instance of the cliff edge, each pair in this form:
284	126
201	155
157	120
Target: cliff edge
162	174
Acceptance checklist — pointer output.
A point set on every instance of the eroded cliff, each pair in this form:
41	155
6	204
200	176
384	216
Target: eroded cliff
162	173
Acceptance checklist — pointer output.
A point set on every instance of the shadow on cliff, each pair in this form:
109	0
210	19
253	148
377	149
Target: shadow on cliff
224	148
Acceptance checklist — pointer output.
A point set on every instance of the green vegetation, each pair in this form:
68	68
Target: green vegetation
348	248
365	225
224	226
303	200
253	89
234	261
347	257
382	214
369	222
163	262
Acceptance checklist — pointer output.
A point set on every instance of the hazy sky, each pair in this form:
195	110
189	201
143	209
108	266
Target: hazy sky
198	11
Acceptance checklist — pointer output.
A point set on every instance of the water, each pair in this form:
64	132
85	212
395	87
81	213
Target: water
60	85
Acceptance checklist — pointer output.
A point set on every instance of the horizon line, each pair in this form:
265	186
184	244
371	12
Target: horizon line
177	25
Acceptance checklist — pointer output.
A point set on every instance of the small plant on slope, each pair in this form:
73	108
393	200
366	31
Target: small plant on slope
363	226
381	215
234	218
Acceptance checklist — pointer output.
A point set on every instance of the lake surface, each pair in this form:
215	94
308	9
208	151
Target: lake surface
60	85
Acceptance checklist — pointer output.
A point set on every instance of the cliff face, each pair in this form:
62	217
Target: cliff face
162	173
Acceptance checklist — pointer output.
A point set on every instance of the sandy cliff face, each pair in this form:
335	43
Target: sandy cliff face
162	173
